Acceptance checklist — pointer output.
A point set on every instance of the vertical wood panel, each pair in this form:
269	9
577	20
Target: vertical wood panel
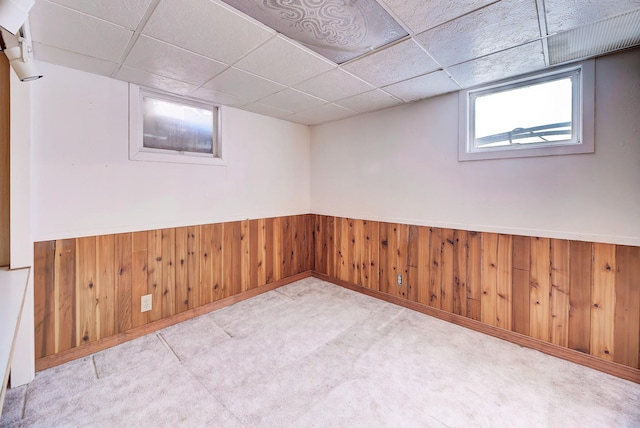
447	286
44	302
402	245
269	250
580	279
278	257
154	273
383	263
603	295
559	303
256	258
474	276
627	310
424	265
287	246
168	272
218	288
123	281
310	259
371	255
65	294
539	288
106	303
139	260
344	267
356	233
232	255
520	288
460	272
320	241
435	274
489	278
193	266
207	255
245	256
86	292
413	264
504	297
393	268
182	270
331	246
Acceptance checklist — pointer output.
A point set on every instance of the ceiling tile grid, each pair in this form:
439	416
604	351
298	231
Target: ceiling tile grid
206	49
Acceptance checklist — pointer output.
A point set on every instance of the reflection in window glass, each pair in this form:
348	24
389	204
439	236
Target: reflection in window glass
533	114
178	127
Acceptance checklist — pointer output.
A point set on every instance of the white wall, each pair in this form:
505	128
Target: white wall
401	165
83	183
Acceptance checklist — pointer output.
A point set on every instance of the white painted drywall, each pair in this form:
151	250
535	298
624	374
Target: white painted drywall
401	165
83	183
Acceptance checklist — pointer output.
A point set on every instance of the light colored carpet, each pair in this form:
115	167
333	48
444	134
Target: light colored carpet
314	354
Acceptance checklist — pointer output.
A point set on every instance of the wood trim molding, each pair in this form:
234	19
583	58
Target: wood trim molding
567	354
108	342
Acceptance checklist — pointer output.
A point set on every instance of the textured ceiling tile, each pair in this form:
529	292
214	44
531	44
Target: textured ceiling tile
63	28
242	84
422	15
70	59
218	97
509	63
292	100
334	85
499	26
169	61
429	85
369	101
207	28
266	110
393	64
149	80
284	62
327	113
563	15
126	13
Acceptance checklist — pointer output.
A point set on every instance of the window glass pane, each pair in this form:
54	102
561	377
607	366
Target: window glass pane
180	127
538	113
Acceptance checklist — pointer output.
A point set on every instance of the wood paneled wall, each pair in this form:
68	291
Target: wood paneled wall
577	295
88	289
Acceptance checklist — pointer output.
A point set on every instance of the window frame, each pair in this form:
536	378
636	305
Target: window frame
137	151
582	116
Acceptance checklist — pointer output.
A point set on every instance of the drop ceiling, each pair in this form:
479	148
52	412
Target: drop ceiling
207	50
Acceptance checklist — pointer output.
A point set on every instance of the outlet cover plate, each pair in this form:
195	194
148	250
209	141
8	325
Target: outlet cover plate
146	303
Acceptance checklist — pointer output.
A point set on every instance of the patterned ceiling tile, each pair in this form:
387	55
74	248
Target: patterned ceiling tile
334	85
563	15
429	85
369	101
512	62
393	64
169	61
422	15
491	29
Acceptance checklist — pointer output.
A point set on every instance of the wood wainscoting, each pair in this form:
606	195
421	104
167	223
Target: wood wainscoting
576	300
88	290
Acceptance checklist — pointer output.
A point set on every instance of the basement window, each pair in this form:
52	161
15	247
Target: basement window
168	128
542	115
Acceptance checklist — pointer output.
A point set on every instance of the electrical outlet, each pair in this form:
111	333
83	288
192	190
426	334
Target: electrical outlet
399	279
145	303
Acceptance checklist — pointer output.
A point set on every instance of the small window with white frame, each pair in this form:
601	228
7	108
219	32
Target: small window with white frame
168	128
541	115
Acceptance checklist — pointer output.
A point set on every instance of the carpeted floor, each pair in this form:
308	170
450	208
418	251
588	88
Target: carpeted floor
314	354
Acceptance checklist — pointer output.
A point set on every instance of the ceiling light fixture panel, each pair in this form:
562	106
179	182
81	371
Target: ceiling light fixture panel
339	30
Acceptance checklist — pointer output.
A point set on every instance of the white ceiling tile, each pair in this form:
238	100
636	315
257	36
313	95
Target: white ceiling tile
206	27
63	28
369	101
242	84
218	97
169	61
266	110
70	59
284	62
149	80
422	15
429	85
126	13
393	64
327	113
563	15
334	85
509	63
292	100
500	26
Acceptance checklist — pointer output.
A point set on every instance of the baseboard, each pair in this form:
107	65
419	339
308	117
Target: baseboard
108	342
609	367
